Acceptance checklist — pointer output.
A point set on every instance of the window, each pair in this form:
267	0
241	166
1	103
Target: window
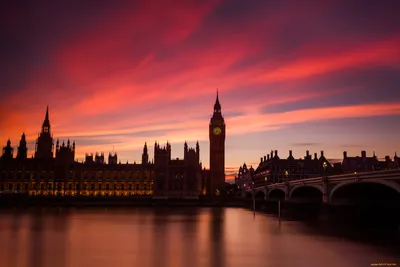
137	186
42	186
77	186
10	186
70	186
100	186
18	186
92	186
130	186
107	186
122	186
115	187
26	186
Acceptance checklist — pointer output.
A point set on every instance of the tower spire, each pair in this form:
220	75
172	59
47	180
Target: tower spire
47	113
217	105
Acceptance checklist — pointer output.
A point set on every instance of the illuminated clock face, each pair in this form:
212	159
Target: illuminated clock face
217	131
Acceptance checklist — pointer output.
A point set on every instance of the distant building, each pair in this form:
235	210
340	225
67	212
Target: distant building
245	178
363	163
272	169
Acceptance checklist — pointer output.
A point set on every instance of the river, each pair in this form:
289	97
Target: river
189	237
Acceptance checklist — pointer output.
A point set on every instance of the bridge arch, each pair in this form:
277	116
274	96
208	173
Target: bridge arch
389	184
276	193
307	186
260	195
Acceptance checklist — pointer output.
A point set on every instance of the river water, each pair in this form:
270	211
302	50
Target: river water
194	237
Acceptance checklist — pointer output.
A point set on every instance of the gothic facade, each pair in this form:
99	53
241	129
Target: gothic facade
55	171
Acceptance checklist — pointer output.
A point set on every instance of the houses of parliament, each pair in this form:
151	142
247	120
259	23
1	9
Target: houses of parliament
53	171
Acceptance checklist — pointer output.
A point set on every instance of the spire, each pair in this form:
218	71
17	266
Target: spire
47	113
217	105
46	122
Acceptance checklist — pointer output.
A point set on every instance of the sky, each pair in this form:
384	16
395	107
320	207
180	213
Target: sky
292	75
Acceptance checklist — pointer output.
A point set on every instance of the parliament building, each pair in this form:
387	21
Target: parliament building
53	171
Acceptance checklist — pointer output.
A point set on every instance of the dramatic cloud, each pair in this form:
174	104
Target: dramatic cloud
118	75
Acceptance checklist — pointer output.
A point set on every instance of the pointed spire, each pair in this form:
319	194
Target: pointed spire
217	105
47	113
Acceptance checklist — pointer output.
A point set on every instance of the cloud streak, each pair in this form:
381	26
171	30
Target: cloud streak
144	71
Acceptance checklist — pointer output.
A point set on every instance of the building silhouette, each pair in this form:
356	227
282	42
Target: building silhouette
217	132
273	169
55	172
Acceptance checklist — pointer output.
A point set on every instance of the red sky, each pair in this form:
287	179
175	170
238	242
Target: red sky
301	76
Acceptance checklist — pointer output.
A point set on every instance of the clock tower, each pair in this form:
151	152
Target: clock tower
217	150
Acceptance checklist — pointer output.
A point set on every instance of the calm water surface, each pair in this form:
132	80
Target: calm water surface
173	238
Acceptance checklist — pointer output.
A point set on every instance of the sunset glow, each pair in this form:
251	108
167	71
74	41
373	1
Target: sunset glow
316	76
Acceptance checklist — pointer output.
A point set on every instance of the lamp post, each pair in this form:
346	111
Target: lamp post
254	199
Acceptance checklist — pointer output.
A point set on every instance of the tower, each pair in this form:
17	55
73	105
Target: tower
217	150
8	151
44	143
22	149
145	155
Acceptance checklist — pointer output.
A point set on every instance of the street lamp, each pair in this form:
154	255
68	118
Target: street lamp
286	174
325	166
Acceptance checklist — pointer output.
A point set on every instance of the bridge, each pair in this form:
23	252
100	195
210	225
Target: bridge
366	187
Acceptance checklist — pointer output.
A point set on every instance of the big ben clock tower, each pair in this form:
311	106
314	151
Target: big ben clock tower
217	151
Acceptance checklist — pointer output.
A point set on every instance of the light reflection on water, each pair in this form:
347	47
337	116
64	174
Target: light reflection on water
215	237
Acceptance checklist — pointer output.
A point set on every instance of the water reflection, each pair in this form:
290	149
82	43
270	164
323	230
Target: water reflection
215	237
216	234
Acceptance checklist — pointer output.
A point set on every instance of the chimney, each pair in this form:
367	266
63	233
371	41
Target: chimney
261	159
265	158
315	156
344	154
307	153
322	153
268	157
276	153
290	154
272	154
363	154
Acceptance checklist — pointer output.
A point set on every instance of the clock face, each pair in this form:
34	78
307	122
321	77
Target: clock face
217	131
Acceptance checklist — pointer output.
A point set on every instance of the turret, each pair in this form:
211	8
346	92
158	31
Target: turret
22	148
145	155
8	151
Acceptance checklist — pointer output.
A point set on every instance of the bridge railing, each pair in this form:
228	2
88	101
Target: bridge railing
359	175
